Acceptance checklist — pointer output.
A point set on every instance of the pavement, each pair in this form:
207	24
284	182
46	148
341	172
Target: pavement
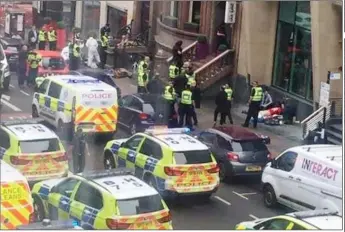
231	204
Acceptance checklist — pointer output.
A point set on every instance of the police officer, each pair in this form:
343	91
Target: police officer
190	74
79	151
104	47
254	104
221	104
75	56
52	37
185	107
143	79
173	70
146	61
41	39
33	59
170	96
229	92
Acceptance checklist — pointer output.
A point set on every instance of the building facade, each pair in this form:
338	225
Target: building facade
291	46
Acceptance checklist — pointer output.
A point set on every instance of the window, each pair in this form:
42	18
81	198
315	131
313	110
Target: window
91	16
54	90
55	63
207	137
44	86
136	104
193	157
4	139
66	188
298	227
89	196
135	206
223	143
254	145
292	63
151	148
286	162
274	224
133	143
194	11
39	146
127	100
174	9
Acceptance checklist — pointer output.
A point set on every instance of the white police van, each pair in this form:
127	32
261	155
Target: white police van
305	178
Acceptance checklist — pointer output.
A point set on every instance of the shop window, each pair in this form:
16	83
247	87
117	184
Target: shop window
174	9
194	11
293	65
117	19
91	15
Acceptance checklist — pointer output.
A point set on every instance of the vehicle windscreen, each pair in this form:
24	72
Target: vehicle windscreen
140	205
55	63
39	146
98	98
193	157
253	145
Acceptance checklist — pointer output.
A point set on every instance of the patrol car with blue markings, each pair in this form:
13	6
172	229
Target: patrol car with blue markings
170	160
111	199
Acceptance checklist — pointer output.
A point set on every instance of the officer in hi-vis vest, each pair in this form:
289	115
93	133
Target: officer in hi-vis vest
104	47
254	104
143	79
170	96
75	56
186	107
52	37
34	60
42	39
229	93
173	70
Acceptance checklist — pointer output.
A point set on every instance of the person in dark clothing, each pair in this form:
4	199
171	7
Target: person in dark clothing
105	29
221	106
180	83
254	104
155	86
197	95
221	36
22	65
33	37
177	54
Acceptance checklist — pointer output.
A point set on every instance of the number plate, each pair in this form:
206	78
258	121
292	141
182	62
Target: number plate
253	168
145	225
41	161
193	173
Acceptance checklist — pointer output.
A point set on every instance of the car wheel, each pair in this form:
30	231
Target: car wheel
109	162
133	129
39	209
270	199
34	111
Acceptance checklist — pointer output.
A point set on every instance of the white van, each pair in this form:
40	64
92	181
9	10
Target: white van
71	102
4	69
305	178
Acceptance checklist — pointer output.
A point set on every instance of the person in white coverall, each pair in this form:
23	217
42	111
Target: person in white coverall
65	52
93	55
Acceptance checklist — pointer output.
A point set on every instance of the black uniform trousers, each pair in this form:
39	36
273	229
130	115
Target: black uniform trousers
193	115
33	72
219	110
185	113
253	112
228	112
74	63
142	89
52	45
42	45
103	57
21	76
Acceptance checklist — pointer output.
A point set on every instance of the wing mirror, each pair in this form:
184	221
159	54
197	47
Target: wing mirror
274	163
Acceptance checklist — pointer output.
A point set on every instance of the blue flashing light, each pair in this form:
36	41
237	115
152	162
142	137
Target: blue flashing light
156	130
76	81
75	223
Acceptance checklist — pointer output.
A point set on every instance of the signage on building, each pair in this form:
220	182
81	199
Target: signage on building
335	76
230	12
324	94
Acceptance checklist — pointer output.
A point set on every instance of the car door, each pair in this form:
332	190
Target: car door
41	93
210	140
5	144
124	110
287	189
135	108
127	153
60	197
86	204
53	100
274	224
149	157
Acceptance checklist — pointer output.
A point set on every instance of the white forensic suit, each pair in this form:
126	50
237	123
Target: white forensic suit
93	55
65	53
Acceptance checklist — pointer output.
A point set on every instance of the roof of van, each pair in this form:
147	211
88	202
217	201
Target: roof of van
332	153
81	82
9	173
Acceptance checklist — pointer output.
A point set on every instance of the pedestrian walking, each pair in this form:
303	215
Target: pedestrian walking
93	58
185	108
42	39
143	79
33	37
33	59
52	37
75	56
104	47
221	106
22	66
229	93
254	104
177	54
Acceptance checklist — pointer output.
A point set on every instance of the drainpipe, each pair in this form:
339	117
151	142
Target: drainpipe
212	27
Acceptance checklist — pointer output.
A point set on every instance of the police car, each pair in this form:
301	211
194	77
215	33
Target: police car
112	199
304	220
33	149
170	160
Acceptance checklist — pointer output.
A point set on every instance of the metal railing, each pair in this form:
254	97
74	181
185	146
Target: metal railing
312	121
188	53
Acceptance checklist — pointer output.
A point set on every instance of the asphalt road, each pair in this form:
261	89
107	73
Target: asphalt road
231	204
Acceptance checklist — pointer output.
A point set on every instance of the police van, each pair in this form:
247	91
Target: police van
16	201
68	102
305	178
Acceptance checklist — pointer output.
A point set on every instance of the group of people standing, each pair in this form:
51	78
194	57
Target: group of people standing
42	37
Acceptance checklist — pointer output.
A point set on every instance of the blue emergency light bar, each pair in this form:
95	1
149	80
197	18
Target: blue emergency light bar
21	122
76	81
161	130
106	173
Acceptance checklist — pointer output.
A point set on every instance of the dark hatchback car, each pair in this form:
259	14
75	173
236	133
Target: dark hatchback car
238	151
11	48
138	112
102	75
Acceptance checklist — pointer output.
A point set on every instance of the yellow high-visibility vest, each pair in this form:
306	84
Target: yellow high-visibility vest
229	93
258	94
104	41
52	36
41	35
186	97
172	70
76	53
34	59
167	94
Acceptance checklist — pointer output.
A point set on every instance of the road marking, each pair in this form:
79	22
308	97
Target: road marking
25	93
254	217
222	200
238	194
6	97
12	86
247	194
9	105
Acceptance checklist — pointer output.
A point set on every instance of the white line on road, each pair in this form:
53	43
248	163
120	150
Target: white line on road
9	105
6	97
238	194
12	86
222	200
25	93
254	217
247	194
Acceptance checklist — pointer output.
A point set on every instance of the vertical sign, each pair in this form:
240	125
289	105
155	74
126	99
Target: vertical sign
230	12
324	94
